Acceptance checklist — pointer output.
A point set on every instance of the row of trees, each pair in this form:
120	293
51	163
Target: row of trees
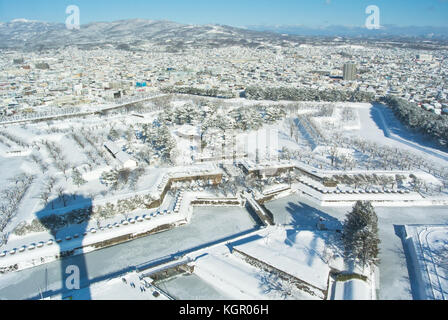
48	190
56	222
428	123
306	94
365	180
244	117
280	93
91	141
10	200
96	143
60	162
185	114
41	114
117	178
200	92
35	157
18	141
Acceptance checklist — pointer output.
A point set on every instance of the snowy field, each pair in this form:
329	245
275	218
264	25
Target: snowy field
243	281
380	125
302	254
53	168
395	283
221	274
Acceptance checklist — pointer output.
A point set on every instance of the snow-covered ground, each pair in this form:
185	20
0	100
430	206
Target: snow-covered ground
192	287
352	290
241	281
225	273
302	254
222	273
378	124
426	247
207	225
395	282
80	144
37	248
127	287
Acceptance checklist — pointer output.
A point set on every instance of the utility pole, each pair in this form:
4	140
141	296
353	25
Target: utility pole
46	279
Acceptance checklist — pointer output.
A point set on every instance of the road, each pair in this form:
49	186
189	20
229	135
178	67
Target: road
79	114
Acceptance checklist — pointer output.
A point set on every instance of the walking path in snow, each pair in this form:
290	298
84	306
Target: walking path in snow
389	134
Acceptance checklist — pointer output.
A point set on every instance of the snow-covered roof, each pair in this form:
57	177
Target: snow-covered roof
352	290
123	157
188	130
298	253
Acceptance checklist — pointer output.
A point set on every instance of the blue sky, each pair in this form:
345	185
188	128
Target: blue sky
235	12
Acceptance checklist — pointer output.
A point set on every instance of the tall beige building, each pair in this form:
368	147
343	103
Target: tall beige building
349	71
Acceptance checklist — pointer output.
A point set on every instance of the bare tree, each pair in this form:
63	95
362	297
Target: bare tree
44	196
417	183
271	282
333	154
61	195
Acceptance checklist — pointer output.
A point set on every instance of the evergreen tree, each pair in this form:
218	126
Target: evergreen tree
160	140
246	118
77	178
164	143
113	134
360	234
272	114
110	178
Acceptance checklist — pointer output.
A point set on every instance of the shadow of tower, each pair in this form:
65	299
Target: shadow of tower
73	267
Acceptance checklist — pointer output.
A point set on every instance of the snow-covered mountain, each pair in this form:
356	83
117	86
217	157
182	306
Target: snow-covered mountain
136	34
32	34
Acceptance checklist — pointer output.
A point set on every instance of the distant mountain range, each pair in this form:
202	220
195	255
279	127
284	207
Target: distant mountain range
360	32
21	33
172	36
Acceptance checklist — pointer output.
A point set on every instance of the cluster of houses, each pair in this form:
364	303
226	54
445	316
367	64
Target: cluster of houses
78	77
